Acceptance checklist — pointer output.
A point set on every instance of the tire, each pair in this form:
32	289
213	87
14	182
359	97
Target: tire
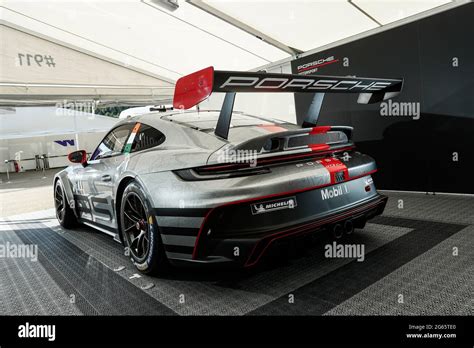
64	213
140	232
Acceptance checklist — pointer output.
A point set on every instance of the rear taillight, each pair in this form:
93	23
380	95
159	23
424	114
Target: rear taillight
260	166
220	172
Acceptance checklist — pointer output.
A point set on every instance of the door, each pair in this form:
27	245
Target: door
94	183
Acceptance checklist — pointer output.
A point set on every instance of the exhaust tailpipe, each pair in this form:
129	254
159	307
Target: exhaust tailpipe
337	231
348	227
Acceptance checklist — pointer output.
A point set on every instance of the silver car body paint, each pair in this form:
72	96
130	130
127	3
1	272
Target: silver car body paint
190	142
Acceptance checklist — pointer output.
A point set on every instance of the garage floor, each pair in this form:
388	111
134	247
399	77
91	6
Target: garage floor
419	260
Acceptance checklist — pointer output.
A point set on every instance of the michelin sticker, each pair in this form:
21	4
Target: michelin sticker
269	206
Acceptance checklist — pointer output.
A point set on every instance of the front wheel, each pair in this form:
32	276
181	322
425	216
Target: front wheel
140	232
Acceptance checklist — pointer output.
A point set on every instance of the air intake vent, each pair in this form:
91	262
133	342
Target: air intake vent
330	138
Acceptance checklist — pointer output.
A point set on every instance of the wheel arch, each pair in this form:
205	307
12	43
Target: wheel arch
62	177
119	193
118	201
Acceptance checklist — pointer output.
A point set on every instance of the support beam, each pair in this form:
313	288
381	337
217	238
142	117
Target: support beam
223	124
365	13
314	110
242	26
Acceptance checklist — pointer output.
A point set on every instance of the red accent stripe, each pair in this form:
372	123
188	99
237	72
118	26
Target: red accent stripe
200	232
320	130
333	166
263	198
272	128
319	147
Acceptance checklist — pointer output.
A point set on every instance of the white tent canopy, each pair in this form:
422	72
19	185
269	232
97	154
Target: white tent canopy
134	50
306	24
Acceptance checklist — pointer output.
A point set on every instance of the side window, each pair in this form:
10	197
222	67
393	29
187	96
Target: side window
113	142
147	137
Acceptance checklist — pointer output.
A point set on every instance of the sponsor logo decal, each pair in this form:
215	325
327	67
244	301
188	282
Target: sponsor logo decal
67	142
269	206
131	138
334	191
339	176
300	165
305	83
312	67
369	181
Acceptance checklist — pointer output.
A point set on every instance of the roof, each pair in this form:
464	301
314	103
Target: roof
207	119
243	126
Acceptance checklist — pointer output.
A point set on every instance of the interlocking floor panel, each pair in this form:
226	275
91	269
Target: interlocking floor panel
435	283
95	288
233	292
27	288
408	252
335	287
457	209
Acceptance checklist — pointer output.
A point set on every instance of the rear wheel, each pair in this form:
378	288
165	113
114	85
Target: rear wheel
64	213
140	232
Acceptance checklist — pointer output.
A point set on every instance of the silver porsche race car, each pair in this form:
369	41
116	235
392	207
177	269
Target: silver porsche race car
223	187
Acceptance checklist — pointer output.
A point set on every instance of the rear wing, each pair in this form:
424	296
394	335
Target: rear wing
192	89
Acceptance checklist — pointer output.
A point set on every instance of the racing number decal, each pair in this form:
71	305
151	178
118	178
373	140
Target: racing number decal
131	138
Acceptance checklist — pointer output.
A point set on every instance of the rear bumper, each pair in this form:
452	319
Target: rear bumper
359	214
244	238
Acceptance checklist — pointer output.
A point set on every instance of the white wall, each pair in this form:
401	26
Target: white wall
29	131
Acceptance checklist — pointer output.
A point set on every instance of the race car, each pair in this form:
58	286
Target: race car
222	187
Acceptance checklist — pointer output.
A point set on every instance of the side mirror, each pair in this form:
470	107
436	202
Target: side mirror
78	157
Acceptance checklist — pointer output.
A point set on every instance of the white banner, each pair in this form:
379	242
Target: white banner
37	71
